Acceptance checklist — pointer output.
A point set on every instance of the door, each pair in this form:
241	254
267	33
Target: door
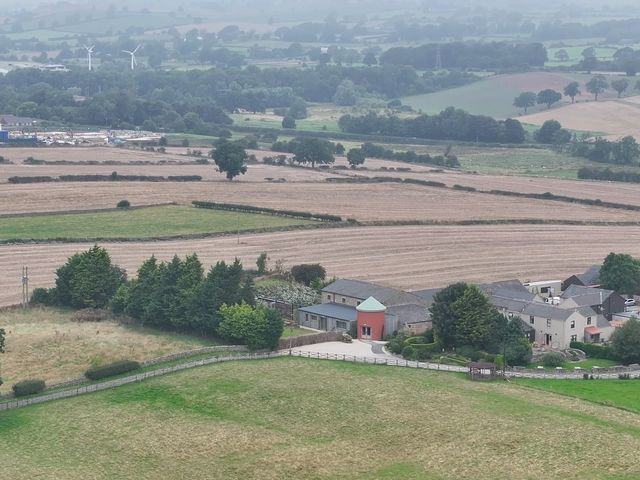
548	339
366	333
323	323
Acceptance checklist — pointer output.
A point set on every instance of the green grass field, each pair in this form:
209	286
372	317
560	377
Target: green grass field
492	96
162	221
293	419
617	393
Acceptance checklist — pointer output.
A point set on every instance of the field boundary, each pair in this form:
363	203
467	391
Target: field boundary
92	210
634	372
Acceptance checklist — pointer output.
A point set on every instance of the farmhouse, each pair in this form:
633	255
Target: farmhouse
345	302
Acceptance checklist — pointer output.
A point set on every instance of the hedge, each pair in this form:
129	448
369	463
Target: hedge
111	369
602	352
28	387
271	211
106	178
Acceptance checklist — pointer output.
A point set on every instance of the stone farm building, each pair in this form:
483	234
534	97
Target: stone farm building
553	313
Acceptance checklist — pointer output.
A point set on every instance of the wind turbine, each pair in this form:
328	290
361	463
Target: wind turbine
89	53
133	56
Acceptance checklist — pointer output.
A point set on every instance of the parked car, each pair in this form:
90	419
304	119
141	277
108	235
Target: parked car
629	302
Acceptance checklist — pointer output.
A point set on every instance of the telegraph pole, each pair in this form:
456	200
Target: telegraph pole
25	286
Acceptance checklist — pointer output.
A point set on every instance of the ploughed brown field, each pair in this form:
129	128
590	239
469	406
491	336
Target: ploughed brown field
410	257
364	202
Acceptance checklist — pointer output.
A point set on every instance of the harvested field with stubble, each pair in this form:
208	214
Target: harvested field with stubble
411	257
45	343
364	202
293	418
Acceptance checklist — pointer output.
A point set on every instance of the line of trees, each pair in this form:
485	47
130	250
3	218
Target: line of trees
625	151
465	55
175	295
450	124
587	173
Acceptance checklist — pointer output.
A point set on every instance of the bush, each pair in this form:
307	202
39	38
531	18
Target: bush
111	369
553	359
602	352
41	296
123	204
251	209
409	352
469	352
28	387
307	273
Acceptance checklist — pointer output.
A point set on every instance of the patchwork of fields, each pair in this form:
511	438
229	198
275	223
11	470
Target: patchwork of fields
278	420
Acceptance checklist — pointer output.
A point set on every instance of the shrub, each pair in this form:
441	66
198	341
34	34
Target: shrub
111	369
624	376
595	351
409	352
41	296
28	387
307	273
553	359
123	204
395	344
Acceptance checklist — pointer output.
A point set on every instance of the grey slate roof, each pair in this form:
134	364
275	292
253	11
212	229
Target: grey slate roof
410	313
332	310
586	296
590	277
363	290
427	294
547	311
510	289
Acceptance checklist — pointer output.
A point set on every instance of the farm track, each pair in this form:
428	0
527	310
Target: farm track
411	257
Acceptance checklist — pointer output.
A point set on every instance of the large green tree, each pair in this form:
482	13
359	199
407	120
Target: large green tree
620	85
572	90
87	280
597	85
356	157
620	272
525	100
476	318
548	97
443	317
625	342
230	159
313	150
255	327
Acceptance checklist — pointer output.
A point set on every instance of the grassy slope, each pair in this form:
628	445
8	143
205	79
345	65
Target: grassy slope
293	418
144	222
45	343
489	96
619	393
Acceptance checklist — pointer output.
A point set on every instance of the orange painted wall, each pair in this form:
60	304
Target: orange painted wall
373	320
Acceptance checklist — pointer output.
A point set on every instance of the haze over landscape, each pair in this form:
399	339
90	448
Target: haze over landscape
358	239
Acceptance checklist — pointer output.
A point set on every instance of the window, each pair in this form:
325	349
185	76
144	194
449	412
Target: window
358	302
548	322
306	317
544	290
532	319
340	325
328	297
588	320
573	324
574	338
314	317
344	300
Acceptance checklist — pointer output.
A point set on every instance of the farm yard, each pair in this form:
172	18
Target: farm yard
49	344
276	419
411	257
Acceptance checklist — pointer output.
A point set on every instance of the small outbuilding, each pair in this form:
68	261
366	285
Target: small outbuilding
371	317
482	371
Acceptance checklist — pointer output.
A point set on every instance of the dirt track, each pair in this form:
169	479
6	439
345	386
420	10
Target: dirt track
409	257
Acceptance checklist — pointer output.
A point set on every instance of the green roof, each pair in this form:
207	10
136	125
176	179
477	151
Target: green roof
371	305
